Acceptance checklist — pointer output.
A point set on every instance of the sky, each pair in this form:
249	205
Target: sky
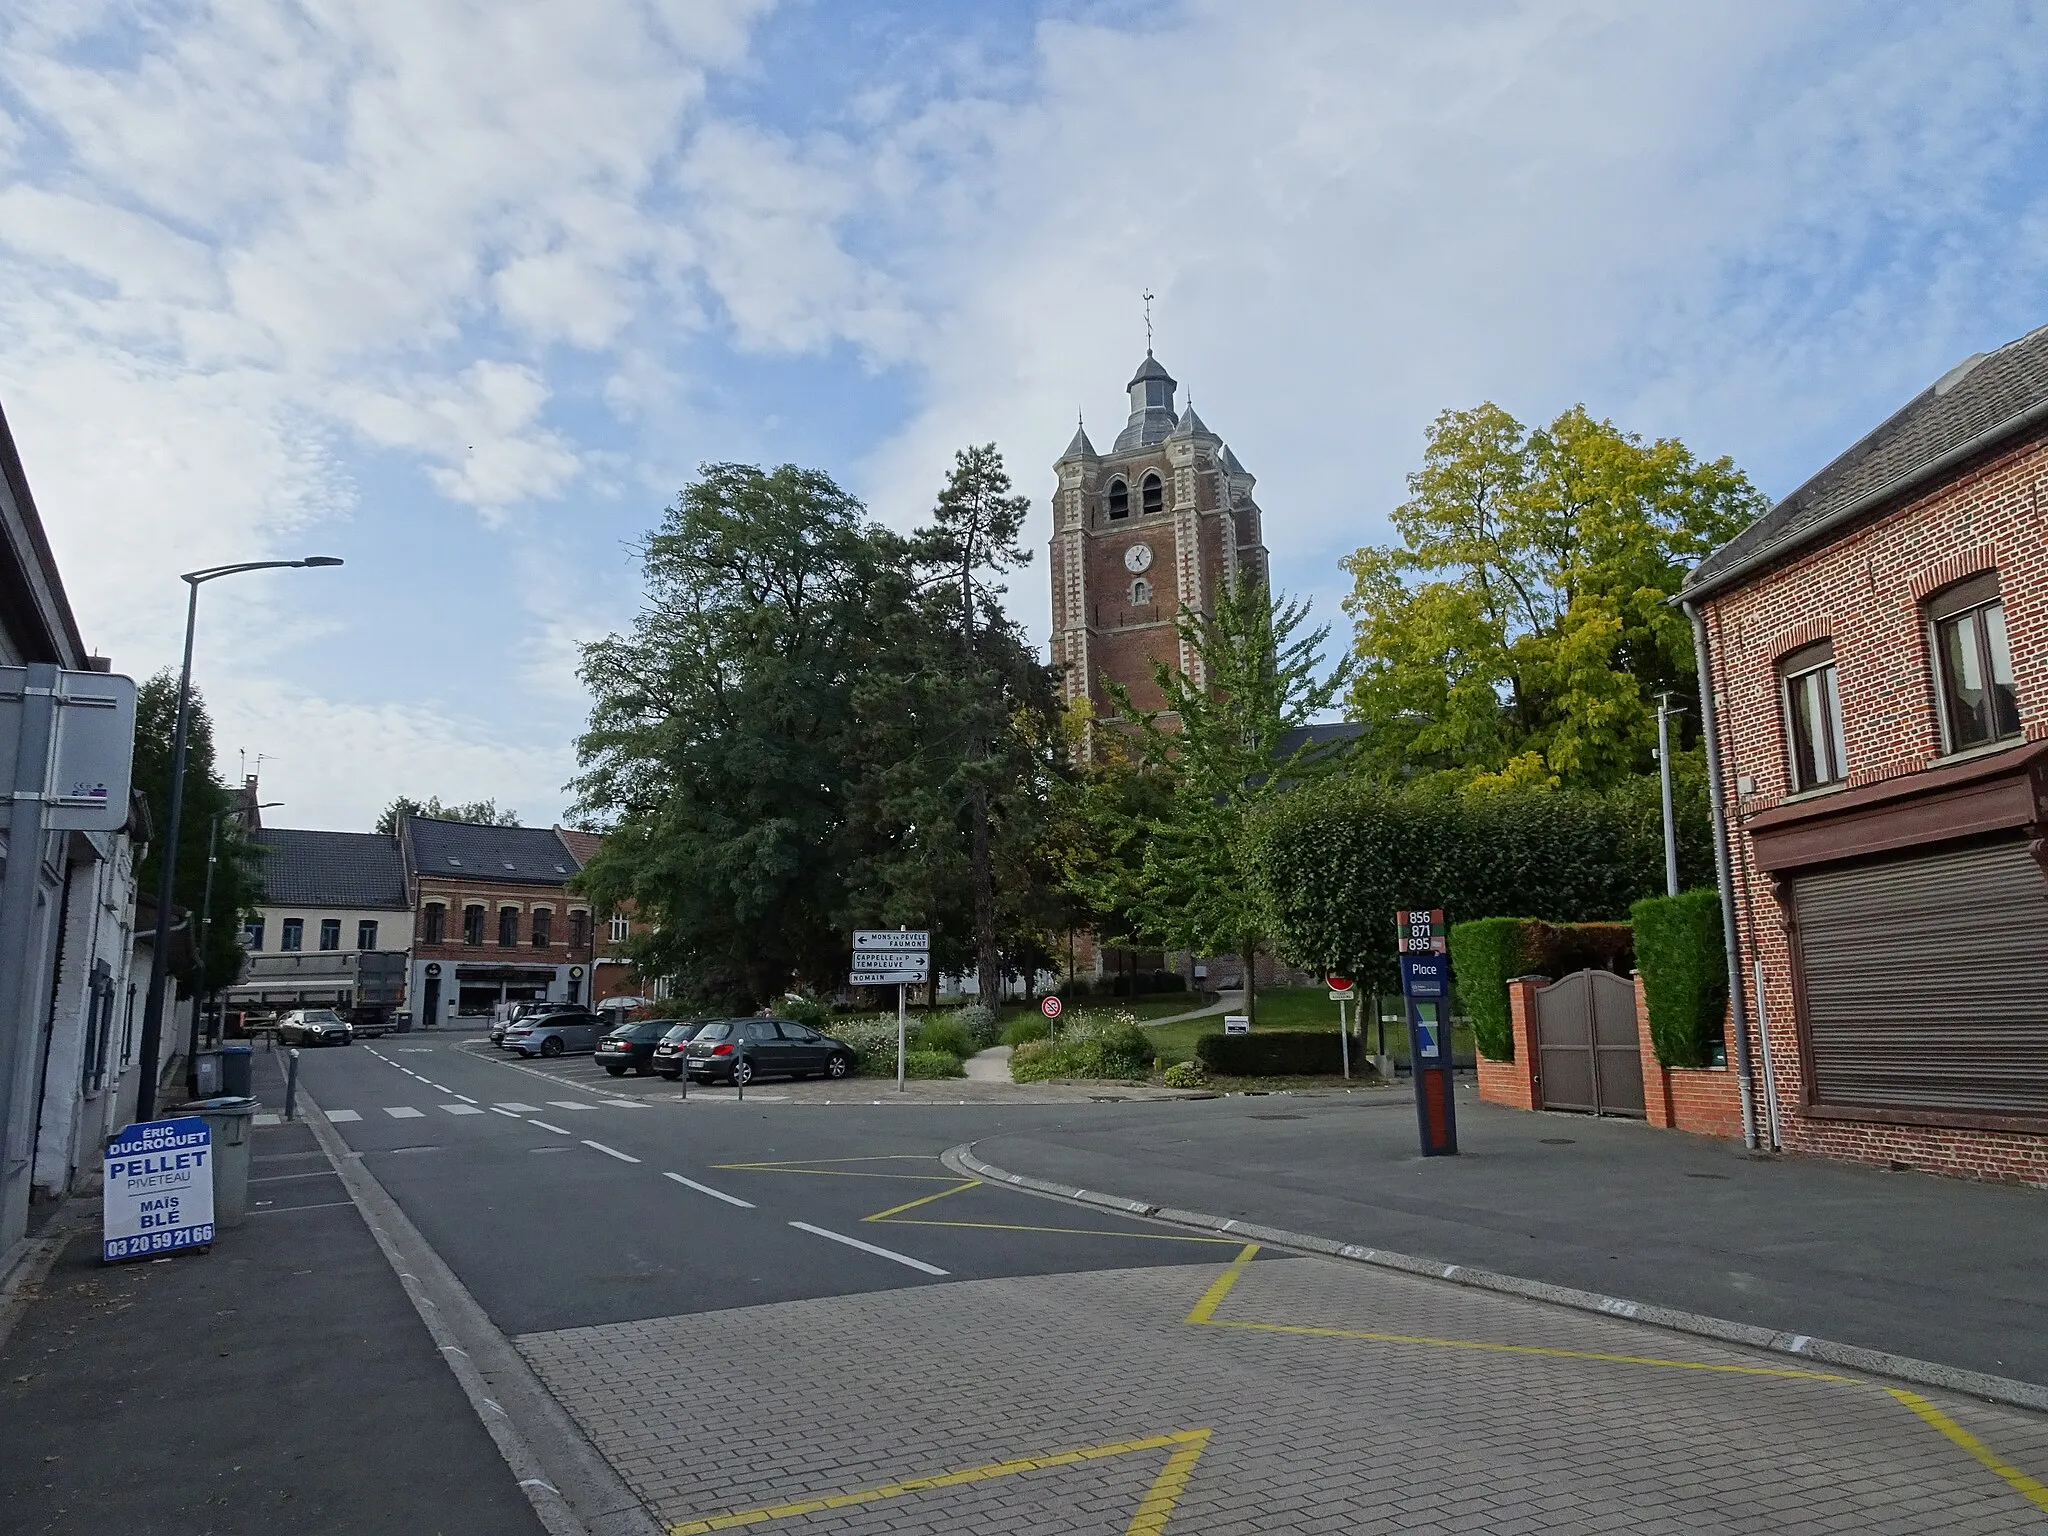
463	291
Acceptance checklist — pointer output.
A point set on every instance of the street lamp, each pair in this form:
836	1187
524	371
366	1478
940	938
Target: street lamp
160	951
205	920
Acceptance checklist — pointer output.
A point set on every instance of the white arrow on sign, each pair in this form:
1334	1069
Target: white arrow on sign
864	963
905	972
914	940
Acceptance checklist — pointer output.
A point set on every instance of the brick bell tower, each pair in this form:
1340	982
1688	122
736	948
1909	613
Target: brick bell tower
1154	526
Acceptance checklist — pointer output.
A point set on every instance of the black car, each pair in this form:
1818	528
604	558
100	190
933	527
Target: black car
740	1050
631	1045
672	1051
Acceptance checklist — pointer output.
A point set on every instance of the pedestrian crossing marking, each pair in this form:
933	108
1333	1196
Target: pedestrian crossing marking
625	1104
568	1104
462	1109
342	1116
518	1109
404	1112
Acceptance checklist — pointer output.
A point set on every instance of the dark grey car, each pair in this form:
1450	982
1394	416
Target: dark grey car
740	1050
556	1034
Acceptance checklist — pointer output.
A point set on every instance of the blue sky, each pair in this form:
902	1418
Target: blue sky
463	291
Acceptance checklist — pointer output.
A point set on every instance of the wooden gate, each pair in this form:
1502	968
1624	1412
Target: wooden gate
1587	1057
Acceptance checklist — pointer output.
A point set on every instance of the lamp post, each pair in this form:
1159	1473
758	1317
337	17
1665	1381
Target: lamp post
205	921
160	949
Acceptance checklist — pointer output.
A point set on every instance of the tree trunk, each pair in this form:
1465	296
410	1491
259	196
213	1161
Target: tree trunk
1250	961
988	964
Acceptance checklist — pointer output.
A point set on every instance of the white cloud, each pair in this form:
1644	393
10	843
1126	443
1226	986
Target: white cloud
480	431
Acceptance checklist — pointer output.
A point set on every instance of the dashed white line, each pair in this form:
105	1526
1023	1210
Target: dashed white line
401	1112
499	1109
706	1189
568	1104
461	1109
342	1116
880	1253
546	1127
517	1108
611	1152
465	1098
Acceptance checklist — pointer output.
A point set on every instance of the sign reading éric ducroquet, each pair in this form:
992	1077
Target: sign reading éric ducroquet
159	1189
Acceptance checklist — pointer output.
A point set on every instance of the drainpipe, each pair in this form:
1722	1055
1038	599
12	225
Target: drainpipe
1710	724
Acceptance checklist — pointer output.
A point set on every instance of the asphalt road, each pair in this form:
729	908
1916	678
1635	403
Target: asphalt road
793	1316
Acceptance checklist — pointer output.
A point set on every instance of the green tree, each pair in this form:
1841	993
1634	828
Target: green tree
237	880
722	751
1520	632
1220	745
482	813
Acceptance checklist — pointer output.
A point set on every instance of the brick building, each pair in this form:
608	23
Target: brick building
493	918
1877	646
1155	525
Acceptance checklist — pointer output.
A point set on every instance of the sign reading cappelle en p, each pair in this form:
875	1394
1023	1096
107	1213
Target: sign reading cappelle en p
159	1189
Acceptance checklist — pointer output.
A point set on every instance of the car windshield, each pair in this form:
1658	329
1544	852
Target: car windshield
719	1031
322	1016
681	1032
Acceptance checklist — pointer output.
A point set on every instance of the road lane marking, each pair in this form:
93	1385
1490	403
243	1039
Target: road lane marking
612	1152
911	1205
279	1178
2028	1488
342	1116
465	1098
626	1104
568	1104
462	1109
878	1252
1220	1287
1186	1444
518	1109
269	1119
555	1128
716	1194
498	1109
400	1112
273	1210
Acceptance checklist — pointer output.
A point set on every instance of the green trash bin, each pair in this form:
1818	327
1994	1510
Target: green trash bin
229	1118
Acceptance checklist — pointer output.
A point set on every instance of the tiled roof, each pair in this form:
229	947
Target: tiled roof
330	869
1971	406
515	855
583	844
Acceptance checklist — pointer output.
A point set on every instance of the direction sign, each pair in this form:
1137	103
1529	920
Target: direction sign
884	970
1051	1007
899	940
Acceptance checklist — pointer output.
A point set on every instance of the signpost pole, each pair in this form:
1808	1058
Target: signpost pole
1344	1039
902	1011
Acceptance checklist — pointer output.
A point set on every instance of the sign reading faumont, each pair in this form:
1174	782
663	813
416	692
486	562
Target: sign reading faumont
159	1189
914	941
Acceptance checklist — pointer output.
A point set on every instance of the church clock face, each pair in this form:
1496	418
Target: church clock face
1138	559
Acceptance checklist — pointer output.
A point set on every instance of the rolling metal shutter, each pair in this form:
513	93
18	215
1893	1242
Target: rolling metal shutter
1926	981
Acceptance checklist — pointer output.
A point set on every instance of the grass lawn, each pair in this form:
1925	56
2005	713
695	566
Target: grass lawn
1294	1008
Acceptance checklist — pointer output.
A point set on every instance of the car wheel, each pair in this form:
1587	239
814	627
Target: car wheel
612	1071
838	1066
524	1054
743	1073
551	1046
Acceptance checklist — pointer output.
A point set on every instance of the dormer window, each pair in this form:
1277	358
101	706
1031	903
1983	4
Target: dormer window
1119	498
1155	494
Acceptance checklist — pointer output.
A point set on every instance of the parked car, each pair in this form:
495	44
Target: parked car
519	1012
672	1051
555	1034
314	1026
630	1046
740	1050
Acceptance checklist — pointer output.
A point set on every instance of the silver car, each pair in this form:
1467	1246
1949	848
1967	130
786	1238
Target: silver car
556	1034
314	1026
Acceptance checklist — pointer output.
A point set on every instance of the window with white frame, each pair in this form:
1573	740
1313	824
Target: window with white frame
291	934
366	934
621	926
1973	680
1812	697
330	933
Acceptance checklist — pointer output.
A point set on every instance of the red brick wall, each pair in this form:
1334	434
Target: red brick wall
1864	592
455	895
1705	1100
1514	1083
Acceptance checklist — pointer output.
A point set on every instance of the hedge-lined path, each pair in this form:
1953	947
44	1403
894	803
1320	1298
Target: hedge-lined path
1943	1270
989	1066
1229	1002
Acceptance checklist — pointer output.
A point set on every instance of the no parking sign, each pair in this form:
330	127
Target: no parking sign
1051	1007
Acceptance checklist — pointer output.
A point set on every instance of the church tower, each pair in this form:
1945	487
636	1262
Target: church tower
1156	525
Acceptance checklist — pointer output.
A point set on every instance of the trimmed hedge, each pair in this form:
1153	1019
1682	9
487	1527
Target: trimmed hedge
1277	1053
1489	953
945	1034
1333	862
1679	949
1089	1046
1025	1028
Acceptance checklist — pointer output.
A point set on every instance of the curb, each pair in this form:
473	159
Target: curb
1874	1362
30	1265
573	1489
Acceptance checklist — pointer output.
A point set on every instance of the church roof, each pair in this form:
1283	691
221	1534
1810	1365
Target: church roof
1230	462
1150	369
1191	425
1080	447
1146	429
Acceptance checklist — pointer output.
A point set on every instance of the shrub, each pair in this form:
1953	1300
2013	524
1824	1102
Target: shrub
806	1010
946	1034
980	1024
1025	1028
1679	947
1489	953
1091	1045
1187	1074
926	1065
1277	1053
874	1042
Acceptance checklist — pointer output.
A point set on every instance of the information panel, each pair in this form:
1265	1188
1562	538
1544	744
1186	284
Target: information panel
159	1189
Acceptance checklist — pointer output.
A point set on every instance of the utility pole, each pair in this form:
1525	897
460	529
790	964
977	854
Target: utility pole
1664	713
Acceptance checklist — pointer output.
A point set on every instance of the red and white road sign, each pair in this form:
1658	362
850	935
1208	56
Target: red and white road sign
1341	984
1051	1007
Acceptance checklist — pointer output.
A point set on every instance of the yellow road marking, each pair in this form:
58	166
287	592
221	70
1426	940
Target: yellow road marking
2029	1488
1158	1503
794	1164
911	1205
1004	1226
1220	1287
837	1173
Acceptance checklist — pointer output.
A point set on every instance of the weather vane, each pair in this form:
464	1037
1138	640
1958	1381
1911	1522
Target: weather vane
1147	296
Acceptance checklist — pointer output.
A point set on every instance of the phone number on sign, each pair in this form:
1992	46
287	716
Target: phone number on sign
157	1242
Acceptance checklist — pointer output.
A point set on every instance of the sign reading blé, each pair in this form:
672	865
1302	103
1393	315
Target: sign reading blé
159	1189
